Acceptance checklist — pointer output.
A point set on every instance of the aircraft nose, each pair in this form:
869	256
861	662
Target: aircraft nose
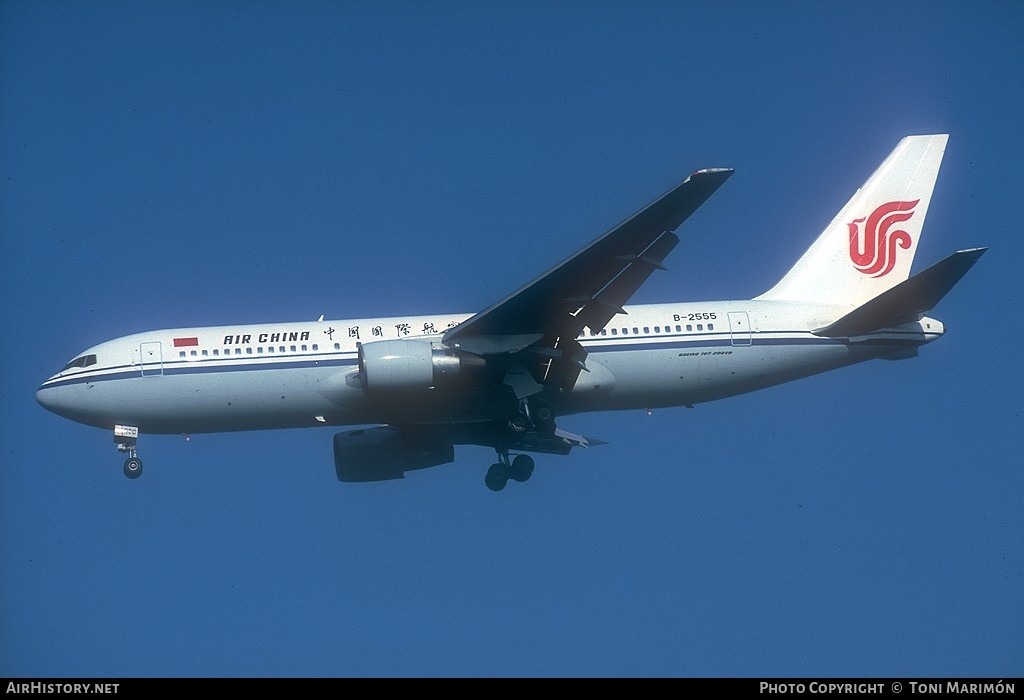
62	400
65	401
47	398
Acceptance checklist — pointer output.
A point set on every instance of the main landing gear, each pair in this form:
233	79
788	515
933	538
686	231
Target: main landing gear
520	469
125	438
532	415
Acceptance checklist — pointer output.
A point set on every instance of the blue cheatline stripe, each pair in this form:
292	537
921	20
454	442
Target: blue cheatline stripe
592	345
716	340
183	367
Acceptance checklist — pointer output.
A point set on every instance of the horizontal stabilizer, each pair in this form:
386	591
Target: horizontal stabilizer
908	300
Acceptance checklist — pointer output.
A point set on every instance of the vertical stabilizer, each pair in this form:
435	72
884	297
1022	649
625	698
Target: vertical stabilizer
870	245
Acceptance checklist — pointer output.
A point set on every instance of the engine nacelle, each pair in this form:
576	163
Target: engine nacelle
402	365
379	454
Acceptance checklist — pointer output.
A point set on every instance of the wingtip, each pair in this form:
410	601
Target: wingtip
710	171
973	253
711	175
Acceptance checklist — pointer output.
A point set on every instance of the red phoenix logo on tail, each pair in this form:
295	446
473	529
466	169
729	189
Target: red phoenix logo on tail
873	251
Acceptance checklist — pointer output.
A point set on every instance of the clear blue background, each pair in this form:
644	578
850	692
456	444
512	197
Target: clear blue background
200	163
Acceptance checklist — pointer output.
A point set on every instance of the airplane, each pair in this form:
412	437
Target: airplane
565	343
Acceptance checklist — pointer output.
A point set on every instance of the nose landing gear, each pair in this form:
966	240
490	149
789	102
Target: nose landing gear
125	438
133	467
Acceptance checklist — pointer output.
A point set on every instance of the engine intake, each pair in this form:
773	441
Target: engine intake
402	365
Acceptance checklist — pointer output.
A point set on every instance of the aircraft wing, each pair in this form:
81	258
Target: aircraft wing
590	287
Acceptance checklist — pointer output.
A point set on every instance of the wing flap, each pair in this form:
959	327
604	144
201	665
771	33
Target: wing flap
560	443
602	307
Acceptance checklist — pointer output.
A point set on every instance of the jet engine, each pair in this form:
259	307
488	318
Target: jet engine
401	365
383	453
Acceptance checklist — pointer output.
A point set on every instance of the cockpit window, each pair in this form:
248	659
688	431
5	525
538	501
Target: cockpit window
83	361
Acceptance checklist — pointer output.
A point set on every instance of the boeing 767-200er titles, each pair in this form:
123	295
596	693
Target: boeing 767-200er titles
562	344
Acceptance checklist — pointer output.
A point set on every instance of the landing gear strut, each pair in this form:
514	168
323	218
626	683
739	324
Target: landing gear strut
533	415
125	438
520	469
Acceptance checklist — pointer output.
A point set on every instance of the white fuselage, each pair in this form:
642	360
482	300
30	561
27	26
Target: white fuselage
286	375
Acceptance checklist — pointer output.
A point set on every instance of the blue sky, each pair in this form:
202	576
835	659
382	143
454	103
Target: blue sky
206	163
